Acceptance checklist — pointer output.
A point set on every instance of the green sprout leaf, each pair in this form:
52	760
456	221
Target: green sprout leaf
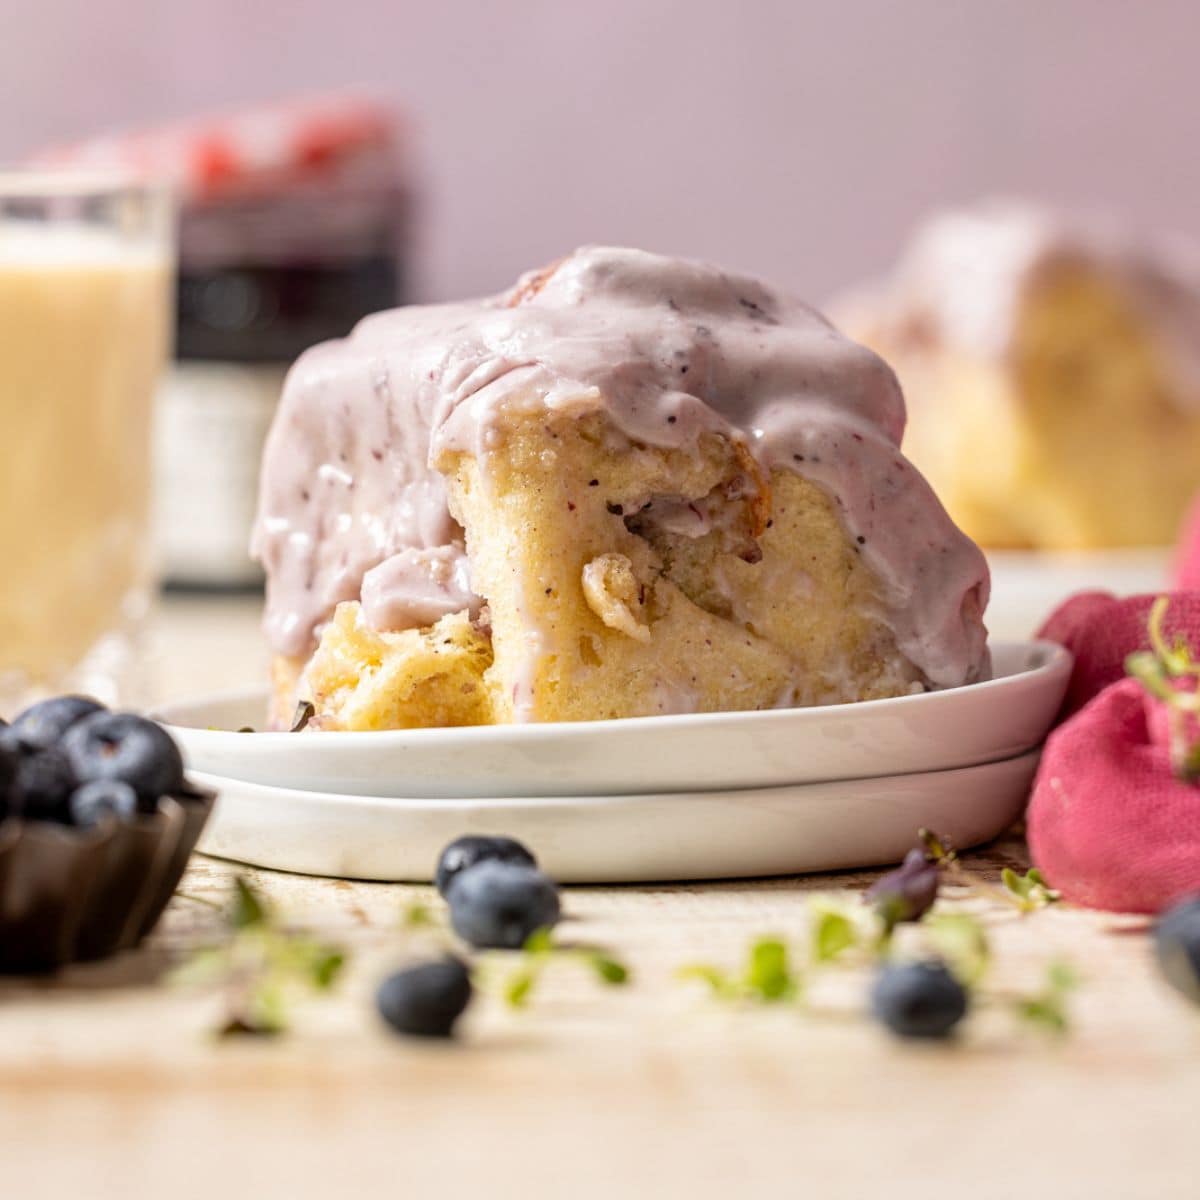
204	968
720	982
1189	768
1029	891
519	987
833	933
768	974
1062	976
540	952
1047	1009
326	967
962	941
417	916
1160	671
540	942
260	965
249	908
766	978
263	1012
607	969
937	848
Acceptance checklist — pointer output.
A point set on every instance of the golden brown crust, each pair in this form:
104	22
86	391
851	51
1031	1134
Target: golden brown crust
529	285
760	504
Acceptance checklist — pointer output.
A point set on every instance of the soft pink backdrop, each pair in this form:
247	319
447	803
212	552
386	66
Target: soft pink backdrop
795	140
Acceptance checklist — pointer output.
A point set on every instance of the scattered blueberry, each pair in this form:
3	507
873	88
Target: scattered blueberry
425	1000
499	904
1177	947
466	851
42	784
91	802
908	892
43	724
918	1000
129	748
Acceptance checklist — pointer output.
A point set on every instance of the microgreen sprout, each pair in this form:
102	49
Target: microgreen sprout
540	952
1029	891
1046	1008
1026	893
962	942
1170	674
899	924
766	977
260	965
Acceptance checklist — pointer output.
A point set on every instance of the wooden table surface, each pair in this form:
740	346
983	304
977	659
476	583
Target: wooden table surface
111	1085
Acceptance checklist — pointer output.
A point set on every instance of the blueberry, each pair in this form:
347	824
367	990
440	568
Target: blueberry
91	802
425	1000
41	784
500	904
1177	947
129	748
43	724
918	1000
466	851
908	892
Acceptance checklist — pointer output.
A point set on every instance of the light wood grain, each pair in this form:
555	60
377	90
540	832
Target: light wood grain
111	1086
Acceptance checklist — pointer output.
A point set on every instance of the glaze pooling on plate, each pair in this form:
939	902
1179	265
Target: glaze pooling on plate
668	350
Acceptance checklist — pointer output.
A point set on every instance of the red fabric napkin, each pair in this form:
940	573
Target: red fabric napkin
1100	631
1110	824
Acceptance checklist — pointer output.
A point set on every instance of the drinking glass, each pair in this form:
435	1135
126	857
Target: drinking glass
86	268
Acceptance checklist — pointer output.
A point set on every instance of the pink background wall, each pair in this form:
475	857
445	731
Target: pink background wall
791	139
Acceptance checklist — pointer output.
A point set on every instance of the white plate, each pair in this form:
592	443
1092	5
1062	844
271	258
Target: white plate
622	839
936	731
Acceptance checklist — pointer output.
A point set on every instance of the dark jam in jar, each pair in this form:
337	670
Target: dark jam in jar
292	248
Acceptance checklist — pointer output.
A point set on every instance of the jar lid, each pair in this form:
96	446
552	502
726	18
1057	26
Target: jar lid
293	221
257	152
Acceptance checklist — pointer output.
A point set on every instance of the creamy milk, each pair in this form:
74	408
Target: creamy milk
83	335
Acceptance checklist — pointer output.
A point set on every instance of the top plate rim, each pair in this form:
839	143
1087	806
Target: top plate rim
1055	660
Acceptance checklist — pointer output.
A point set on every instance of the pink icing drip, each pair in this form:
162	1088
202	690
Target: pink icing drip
418	587
668	349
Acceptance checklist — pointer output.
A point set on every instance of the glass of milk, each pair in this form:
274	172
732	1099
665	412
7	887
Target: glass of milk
85	317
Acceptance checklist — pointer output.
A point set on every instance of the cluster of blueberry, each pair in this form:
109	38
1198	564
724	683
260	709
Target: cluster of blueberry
71	761
497	899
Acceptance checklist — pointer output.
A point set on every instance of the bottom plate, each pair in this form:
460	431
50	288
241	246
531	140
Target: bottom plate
622	839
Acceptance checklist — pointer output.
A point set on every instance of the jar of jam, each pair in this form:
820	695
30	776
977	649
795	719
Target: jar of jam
293	226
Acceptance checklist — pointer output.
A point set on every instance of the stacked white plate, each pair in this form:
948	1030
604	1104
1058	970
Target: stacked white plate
704	796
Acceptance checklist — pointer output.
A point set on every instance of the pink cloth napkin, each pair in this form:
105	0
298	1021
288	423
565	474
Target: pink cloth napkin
1100	631
1110	823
